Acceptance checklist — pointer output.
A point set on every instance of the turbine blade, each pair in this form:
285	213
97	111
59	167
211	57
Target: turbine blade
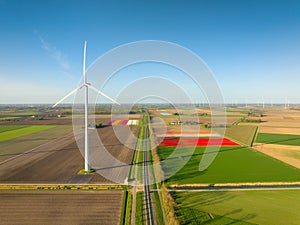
84	64
68	95
101	93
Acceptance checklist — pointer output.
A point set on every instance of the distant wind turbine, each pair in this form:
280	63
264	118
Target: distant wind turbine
85	85
286	104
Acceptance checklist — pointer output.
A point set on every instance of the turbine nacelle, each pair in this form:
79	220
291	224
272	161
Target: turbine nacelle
85	84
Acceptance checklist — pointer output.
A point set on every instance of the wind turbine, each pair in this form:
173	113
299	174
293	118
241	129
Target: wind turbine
86	87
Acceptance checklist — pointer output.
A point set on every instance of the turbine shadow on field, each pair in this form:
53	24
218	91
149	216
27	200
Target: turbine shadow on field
205	198
111	167
207	153
194	203
238	220
118	144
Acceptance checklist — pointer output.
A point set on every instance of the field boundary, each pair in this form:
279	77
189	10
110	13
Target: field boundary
238	121
254	136
62	187
126	208
236	141
247	185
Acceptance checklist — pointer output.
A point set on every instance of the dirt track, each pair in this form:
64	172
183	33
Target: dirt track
60	207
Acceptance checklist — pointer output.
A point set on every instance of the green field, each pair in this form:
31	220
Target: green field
280	139
9	128
25	113
231	165
11	132
237	110
9	118
262	207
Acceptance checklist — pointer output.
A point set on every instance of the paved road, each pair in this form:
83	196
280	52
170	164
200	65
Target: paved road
134	189
147	185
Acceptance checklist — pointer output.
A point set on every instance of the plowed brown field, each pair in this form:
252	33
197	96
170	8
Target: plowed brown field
60	207
58	159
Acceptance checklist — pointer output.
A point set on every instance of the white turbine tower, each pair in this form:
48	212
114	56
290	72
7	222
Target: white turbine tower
86	86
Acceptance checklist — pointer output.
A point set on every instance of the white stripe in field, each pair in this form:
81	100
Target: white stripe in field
187	135
132	122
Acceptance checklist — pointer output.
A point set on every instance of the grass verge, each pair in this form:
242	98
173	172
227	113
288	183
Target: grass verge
126	208
61	187
91	171
159	213
139	215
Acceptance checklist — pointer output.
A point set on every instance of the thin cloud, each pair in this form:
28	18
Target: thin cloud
56	54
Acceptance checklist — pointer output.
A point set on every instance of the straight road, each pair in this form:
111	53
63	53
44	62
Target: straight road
147	184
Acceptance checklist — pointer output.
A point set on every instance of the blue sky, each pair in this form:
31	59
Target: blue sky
253	47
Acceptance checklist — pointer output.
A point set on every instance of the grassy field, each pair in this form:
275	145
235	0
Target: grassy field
243	134
21	131
9	128
232	165
9	118
280	139
262	207
25	113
